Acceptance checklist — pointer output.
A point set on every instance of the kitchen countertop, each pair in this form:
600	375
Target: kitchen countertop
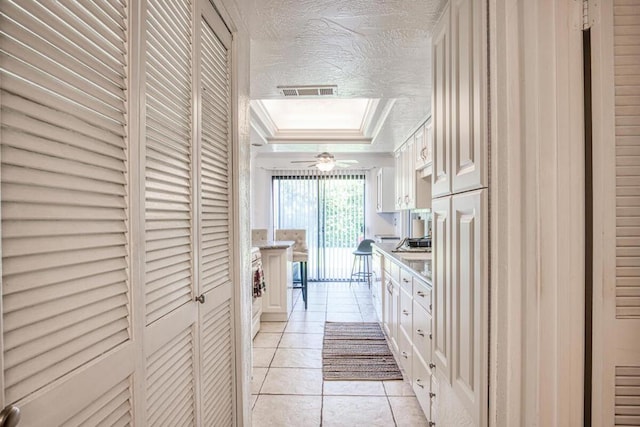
421	267
273	244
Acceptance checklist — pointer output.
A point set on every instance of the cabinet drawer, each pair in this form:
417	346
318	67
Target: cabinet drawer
392	270
406	281
421	382
421	335
422	294
405	353
406	310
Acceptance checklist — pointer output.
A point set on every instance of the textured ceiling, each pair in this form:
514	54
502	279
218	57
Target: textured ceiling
368	48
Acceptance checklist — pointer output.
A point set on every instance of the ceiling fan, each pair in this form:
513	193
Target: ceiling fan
326	161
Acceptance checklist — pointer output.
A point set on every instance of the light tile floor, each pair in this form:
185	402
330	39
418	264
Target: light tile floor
287	386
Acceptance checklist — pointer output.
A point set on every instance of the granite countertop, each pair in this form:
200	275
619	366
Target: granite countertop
421	267
274	244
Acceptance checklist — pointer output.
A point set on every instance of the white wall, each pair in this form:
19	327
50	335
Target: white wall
263	164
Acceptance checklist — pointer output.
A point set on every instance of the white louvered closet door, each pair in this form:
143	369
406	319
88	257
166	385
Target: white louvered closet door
170	310
215	267
67	352
616	258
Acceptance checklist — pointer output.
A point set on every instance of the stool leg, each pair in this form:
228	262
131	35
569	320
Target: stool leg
353	267
303	273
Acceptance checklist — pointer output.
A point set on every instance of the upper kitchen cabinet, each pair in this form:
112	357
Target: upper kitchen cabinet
440	109
423	141
468	96
385	190
413	185
459	99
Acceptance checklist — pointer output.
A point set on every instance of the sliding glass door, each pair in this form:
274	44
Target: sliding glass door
330	206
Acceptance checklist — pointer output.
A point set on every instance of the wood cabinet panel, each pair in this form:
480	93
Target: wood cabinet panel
468	145
440	53
469	308
442	286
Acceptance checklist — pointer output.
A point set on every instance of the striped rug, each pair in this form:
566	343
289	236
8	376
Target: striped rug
357	351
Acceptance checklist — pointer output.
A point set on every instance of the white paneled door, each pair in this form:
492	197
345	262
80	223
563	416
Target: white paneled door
66	285
116	197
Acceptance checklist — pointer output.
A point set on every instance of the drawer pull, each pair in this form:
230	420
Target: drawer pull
405	312
432	365
421	294
419	383
405	354
420	332
404	279
432	394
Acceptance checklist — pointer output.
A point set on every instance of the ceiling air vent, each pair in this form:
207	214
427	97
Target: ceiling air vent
326	90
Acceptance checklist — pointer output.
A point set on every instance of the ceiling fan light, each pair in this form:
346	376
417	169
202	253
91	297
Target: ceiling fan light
325	166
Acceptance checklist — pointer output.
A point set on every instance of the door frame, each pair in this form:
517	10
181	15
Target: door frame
536	213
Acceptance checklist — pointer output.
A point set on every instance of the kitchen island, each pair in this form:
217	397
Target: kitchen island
277	300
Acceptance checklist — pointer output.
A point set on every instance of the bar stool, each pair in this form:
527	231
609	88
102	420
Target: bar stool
258	234
300	254
362	259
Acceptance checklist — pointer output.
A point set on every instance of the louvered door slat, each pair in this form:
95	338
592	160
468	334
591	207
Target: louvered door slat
90	37
217	366
216	343
53	35
627	396
112	406
627	129
64	191
170	380
96	134
168	159
214	166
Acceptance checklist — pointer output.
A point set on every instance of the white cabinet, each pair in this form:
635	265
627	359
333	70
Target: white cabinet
468	110
469	284
385	190
424	151
277	300
399	180
441	106
409	174
412	191
458	102
377	282
407	322
441	220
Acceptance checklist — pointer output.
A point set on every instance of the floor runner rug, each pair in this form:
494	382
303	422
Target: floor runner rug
357	351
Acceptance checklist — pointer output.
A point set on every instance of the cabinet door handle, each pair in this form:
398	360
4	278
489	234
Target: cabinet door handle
421	294
432	365
420	332
200	299
431	424
405	354
430	336
432	394
419	383
405	280
405	312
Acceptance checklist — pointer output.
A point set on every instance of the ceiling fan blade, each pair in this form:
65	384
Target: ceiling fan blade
302	161
349	162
